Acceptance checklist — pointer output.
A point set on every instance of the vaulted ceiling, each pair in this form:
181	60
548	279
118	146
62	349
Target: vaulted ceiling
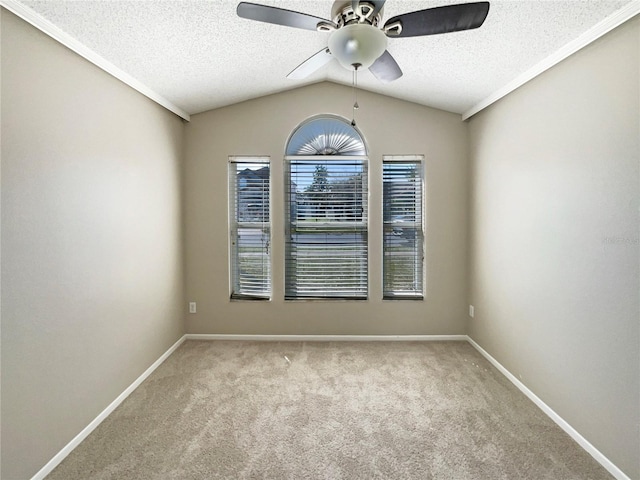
198	54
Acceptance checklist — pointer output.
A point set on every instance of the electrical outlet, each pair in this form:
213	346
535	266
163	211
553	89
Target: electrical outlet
471	311
192	307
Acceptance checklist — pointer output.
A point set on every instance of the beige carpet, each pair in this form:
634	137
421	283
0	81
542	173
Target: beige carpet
304	410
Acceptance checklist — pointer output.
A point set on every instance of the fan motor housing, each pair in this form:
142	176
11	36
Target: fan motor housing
343	14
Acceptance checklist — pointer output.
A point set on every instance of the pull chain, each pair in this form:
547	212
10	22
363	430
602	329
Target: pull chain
354	82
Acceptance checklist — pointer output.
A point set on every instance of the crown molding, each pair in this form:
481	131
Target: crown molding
599	29
68	41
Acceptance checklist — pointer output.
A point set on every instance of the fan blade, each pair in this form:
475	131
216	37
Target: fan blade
280	16
449	18
385	68
311	64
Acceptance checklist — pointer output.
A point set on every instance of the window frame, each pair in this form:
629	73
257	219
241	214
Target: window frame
364	225
421	229
234	225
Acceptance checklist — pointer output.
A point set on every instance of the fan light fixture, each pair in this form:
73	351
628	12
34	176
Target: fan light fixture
357	45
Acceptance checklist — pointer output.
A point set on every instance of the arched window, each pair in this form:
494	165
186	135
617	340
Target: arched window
326	135
327	212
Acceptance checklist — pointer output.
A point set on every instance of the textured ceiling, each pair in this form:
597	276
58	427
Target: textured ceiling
200	55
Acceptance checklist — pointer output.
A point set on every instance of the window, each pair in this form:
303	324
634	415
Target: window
403	239
249	227
327	243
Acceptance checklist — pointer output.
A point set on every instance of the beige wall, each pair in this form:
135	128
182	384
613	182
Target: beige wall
91	242
92	277
262	127
554	249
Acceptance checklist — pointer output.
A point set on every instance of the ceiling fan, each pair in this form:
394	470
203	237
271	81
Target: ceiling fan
357	37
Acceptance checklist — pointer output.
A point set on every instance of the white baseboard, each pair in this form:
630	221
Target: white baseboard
328	338
573	433
62	454
593	451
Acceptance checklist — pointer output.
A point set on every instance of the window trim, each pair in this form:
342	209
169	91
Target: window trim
406	158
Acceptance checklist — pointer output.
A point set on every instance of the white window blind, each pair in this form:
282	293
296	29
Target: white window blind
403	239
326	244
250	227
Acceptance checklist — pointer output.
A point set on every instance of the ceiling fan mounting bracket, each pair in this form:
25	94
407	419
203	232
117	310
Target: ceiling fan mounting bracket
325	27
393	29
